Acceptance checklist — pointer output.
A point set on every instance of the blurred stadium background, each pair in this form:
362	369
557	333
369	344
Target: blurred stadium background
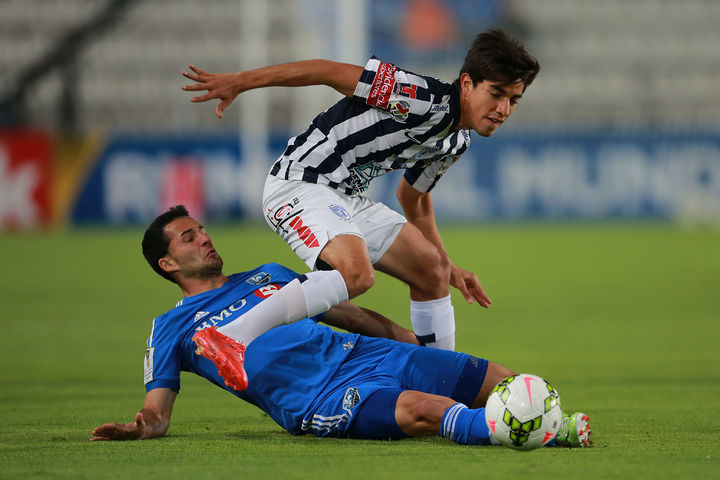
623	121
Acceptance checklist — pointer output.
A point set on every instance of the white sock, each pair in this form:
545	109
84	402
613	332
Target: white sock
433	322
308	296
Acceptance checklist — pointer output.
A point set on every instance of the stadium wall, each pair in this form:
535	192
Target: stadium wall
118	179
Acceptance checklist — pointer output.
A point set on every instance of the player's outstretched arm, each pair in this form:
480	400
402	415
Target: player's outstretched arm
353	318
226	86
152	421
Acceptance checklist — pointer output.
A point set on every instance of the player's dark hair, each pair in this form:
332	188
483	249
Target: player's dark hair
155	243
496	56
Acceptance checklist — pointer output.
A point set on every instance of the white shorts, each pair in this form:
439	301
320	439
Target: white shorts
307	216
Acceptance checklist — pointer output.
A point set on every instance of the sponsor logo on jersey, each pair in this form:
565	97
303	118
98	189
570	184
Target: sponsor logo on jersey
382	86
341	212
440	108
399	109
259	279
288	216
222	317
351	398
200	314
304	232
283	214
361	176
406	90
267	291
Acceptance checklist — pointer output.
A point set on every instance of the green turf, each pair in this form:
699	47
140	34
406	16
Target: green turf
623	319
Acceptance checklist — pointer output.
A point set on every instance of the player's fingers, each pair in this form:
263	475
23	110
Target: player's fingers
481	297
194	87
197	70
99	439
104	429
460	285
191	76
477	291
203	98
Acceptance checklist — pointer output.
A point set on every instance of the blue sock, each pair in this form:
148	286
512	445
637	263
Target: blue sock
465	426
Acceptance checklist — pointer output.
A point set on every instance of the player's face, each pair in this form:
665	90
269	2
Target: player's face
486	105
191	251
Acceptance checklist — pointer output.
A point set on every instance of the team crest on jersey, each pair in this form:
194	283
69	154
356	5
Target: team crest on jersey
351	398
399	109
341	212
259	279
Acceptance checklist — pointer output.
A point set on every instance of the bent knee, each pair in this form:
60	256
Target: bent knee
358	280
434	272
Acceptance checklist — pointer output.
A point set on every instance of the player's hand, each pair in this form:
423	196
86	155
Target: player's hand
468	284
223	86
120	431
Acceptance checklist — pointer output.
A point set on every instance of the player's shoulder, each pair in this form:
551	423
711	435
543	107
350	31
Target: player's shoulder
266	273
376	67
404	93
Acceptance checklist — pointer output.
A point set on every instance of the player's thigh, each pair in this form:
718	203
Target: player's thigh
379	224
439	372
308	216
413	259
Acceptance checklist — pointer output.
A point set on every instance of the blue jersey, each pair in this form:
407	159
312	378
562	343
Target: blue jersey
300	358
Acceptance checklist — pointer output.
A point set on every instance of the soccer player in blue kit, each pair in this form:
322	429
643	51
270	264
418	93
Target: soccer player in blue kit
307	377
390	119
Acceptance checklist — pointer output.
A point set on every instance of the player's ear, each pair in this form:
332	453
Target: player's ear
466	83
168	264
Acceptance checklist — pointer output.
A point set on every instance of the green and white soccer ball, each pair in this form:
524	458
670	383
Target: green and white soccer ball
523	412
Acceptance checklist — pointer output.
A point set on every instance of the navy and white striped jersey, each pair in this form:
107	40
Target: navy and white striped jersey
395	120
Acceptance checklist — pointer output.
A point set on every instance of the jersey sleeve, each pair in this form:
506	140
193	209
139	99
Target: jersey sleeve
162	362
397	92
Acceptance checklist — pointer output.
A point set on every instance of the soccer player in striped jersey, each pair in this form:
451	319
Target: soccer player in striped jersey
307	377
390	119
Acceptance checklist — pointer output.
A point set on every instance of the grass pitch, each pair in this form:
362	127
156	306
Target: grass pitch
622	319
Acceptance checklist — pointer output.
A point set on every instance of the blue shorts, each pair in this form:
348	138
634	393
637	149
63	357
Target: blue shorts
359	401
